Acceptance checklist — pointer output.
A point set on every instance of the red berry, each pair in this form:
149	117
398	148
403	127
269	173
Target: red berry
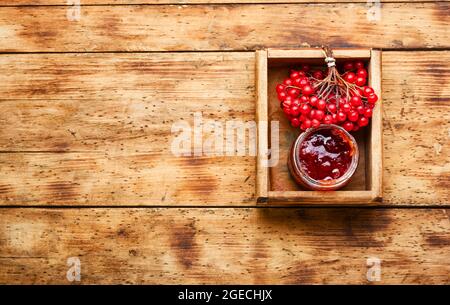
346	107
304	81
295	122
359	64
350	77
328	119
368	112
288	82
287	110
294	74
282	96
304	99
305	109
342	101
315	123
348	126
341	116
287	101
318	74
303	117
307	90
312	113
295	111
363	121
334	116
373	98
367	91
321	104
294	92
332	108
361	73
355	127
280	88
313	100
319	115
307	124
360	81
356	101
352	116
297	82
349	66
360	109
296	102
358	92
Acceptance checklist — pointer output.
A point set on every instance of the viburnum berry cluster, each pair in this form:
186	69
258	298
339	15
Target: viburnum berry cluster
310	97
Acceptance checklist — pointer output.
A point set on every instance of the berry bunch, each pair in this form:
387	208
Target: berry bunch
338	96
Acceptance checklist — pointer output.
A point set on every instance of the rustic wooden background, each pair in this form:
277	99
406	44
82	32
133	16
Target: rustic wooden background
85	130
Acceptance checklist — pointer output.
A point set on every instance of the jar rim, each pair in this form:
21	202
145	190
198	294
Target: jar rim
333	183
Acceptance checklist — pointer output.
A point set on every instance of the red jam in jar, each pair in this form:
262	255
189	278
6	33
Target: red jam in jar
325	155
324	158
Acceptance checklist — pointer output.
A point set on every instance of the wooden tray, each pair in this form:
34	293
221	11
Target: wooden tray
274	185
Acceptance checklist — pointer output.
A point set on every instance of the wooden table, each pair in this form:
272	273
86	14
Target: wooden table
86	169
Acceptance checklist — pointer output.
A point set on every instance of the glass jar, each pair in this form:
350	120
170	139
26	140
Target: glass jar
299	169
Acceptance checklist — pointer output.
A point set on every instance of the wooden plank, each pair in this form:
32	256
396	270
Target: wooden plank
416	131
262	170
318	53
114	113
152	178
341	198
46	97
117	102
180	2
222	27
376	140
227	246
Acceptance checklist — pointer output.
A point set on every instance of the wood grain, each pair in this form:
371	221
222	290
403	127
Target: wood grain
416	131
227	246
117	102
113	113
347	53
262	170
96	128
128	179
222	27
180	2
375	155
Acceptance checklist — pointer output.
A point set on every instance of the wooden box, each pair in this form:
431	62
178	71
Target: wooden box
274	185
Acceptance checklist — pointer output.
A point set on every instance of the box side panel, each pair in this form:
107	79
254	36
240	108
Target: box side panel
376	149
318	53
262	171
337	198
